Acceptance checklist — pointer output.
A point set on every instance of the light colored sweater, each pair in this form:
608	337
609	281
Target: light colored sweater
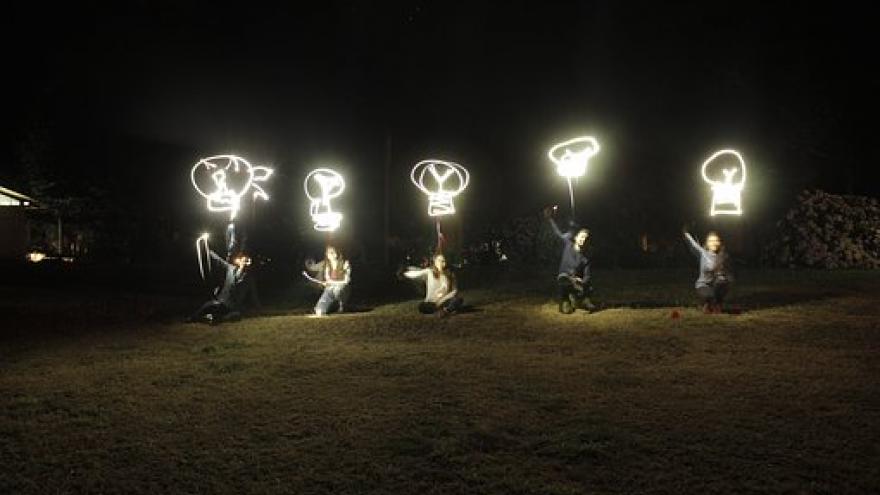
712	265
437	289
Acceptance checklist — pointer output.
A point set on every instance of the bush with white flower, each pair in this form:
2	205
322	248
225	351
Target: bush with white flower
828	231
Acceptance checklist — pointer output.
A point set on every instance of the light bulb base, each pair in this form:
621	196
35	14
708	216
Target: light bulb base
440	205
327	222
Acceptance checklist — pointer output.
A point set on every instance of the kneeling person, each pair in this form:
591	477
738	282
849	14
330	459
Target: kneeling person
573	281
230	297
334	275
714	278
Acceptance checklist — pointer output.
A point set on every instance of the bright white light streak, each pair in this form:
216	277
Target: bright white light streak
36	256
572	157
440	199
726	194
224	179
330	184
319	282
202	254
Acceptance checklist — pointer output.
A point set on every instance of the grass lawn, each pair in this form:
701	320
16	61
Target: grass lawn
512	398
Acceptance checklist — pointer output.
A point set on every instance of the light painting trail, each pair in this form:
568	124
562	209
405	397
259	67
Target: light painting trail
322	282
718	172
202	254
224	179
432	177
36	256
330	185
571	158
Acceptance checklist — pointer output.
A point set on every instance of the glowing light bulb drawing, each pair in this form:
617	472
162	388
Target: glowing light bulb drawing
437	174
224	179
330	184
726	194
572	157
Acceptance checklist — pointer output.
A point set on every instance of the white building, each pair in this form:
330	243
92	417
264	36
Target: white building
14	228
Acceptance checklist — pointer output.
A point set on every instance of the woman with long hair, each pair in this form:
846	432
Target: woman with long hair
334	275
714	279
441	292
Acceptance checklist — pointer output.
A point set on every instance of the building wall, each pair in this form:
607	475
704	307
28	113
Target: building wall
13	232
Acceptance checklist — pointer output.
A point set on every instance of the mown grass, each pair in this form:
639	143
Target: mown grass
510	398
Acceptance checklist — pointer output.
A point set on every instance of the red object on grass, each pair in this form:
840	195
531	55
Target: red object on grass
675	314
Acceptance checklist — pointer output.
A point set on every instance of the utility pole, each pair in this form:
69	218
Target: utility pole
60	238
387	209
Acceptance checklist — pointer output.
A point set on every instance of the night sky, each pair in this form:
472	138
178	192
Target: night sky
138	88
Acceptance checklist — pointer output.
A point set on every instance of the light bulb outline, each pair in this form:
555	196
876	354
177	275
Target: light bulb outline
726	194
440	201
327	220
572	164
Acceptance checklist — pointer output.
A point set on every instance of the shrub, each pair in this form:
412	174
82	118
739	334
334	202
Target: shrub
828	231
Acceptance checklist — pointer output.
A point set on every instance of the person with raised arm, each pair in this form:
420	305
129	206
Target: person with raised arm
714	278
574	279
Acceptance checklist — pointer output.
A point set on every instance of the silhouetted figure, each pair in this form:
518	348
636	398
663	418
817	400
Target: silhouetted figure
236	290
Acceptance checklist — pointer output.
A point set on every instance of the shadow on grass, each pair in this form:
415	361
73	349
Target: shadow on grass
739	302
306	311
467	309
776	299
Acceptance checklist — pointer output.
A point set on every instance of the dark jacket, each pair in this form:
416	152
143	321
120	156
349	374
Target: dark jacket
232	277
574	262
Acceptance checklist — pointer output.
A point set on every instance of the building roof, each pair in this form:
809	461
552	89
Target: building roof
22	199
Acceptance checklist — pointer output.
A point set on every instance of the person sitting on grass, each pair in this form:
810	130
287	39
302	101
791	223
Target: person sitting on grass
574	282
334	274
714	278
441	293
229	298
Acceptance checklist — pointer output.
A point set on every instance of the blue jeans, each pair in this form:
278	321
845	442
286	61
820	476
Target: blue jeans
332	294
713	294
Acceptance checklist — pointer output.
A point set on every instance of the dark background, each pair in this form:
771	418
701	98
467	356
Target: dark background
113	103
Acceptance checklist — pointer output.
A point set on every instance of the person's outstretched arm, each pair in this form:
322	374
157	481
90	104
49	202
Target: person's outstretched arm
219	259
414	272
449	295
314	267
548	214
693	244
565	236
